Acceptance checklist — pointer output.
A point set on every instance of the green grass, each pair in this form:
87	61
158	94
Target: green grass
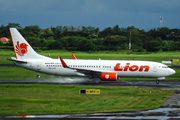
111	55
20	99
18	73
27	99
115	55
6	54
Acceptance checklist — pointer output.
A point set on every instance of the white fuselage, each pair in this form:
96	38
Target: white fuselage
121	67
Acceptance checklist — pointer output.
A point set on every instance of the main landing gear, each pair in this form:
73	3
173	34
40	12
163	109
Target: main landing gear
157	81
38	76
92	79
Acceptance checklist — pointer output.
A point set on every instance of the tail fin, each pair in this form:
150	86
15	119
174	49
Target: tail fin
22	49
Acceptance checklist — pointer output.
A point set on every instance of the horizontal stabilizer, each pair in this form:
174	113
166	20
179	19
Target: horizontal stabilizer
14	59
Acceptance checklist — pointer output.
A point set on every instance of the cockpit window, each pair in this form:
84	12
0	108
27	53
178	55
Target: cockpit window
164	66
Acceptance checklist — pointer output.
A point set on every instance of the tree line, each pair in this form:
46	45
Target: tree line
90	38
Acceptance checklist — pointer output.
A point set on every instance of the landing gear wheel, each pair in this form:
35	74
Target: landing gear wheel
157	81
38	76
93	80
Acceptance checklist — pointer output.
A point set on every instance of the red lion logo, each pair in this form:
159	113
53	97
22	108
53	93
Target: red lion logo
21	49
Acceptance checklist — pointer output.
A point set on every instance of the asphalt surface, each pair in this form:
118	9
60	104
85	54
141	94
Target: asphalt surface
170	109
79	81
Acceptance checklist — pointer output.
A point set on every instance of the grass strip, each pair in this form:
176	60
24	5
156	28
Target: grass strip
104	55
27	99
18	73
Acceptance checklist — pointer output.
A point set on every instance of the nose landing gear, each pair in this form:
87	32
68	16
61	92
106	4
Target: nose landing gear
160	78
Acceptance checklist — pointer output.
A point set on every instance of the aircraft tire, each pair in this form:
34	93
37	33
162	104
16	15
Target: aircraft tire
157	81
38	76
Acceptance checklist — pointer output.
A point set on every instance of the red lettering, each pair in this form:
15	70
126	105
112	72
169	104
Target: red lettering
117	67
144	66
131	68
126	67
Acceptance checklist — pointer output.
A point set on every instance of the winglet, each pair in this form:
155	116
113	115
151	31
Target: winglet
63	63
73	56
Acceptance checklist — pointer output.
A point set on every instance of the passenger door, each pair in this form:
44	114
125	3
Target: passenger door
155	68
38	66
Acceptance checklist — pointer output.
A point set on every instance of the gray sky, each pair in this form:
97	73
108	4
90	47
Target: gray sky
143	14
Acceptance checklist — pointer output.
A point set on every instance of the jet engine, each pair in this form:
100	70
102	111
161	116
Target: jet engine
110	76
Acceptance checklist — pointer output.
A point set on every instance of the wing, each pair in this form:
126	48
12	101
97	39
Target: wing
87	72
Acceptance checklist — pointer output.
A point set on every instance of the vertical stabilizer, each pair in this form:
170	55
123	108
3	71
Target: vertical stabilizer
22	49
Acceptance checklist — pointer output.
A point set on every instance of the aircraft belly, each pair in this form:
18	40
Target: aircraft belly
63	72
133	74
67	73
60	71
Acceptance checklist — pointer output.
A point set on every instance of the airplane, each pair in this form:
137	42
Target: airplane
105	70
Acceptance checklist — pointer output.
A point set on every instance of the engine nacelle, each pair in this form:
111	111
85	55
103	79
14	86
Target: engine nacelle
108	76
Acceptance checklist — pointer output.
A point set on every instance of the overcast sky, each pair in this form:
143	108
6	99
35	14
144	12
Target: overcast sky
143	14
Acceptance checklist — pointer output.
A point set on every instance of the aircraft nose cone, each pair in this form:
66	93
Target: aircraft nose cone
171	71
